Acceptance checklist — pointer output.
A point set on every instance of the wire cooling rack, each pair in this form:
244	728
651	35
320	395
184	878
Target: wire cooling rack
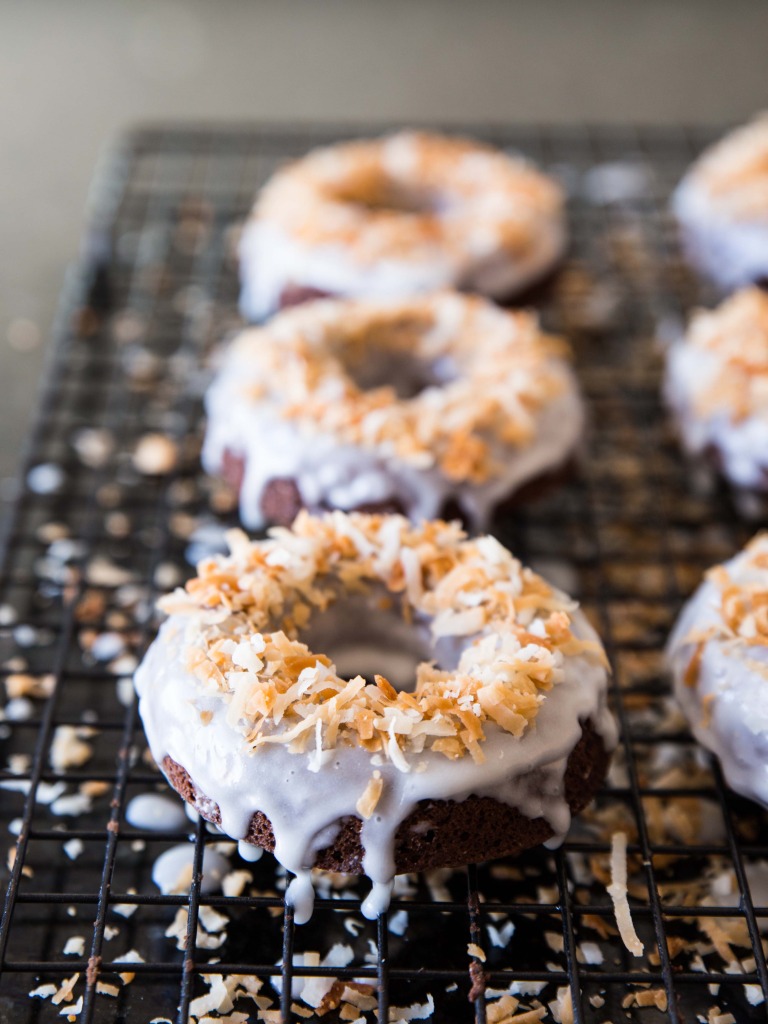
91	541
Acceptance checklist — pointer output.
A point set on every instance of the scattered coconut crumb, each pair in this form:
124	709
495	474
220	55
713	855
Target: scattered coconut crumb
43	992
101	572
23	685
590	953
233	883
562	1007
93	788
73	1011
716	1016
211	919
210	929
218	999
105	988
416	1011
397	923
131	957
474	950
646	997
527	1016
501	1010
68	749
73	848
500	936
26	870
155	455
65	990
617	890
71	805
126	909
74	946
754	995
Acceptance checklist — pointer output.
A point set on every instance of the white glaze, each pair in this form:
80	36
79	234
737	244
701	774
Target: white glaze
249	852
332	474
735	725
171	870
741	443
271	260
733	252
155	812
305	802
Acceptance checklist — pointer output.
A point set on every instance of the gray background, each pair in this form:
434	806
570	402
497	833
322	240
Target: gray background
73	73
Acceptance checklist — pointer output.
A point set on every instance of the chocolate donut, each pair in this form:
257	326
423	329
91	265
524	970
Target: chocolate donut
415	406
717	387
397	217
722	207
718	653
361	694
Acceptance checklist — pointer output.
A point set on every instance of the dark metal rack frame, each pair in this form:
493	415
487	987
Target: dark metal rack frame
634	531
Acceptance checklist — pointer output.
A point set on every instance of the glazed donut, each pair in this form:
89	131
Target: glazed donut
722	207
362	694
396	217
399	406
718	653
717	387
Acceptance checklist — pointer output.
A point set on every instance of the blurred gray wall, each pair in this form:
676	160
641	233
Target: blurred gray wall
74	72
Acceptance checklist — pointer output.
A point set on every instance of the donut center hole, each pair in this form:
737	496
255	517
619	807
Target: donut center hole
364	641
387	196
402	371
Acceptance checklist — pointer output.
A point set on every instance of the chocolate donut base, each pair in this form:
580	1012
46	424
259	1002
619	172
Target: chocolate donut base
281	500
437	833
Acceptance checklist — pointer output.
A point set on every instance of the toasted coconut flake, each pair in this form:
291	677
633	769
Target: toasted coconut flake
349	195
65	990
507	372
562	1007
366	805
617	890
735	335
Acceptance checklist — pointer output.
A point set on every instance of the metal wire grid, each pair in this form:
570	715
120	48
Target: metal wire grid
152	296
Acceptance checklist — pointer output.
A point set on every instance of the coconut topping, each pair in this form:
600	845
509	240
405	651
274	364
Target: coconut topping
734	338
245	614
741	619
488	374
719	656
407	195
735	171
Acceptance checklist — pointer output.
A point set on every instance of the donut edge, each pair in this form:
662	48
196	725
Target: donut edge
437	833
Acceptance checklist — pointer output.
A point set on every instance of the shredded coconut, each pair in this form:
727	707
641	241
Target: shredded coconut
353	194
734	336
617	890
494	371
735	170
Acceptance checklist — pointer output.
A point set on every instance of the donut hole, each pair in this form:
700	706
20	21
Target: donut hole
386	195
362	640
389	354
404	372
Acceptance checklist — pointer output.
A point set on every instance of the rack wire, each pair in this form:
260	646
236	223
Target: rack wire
90	542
